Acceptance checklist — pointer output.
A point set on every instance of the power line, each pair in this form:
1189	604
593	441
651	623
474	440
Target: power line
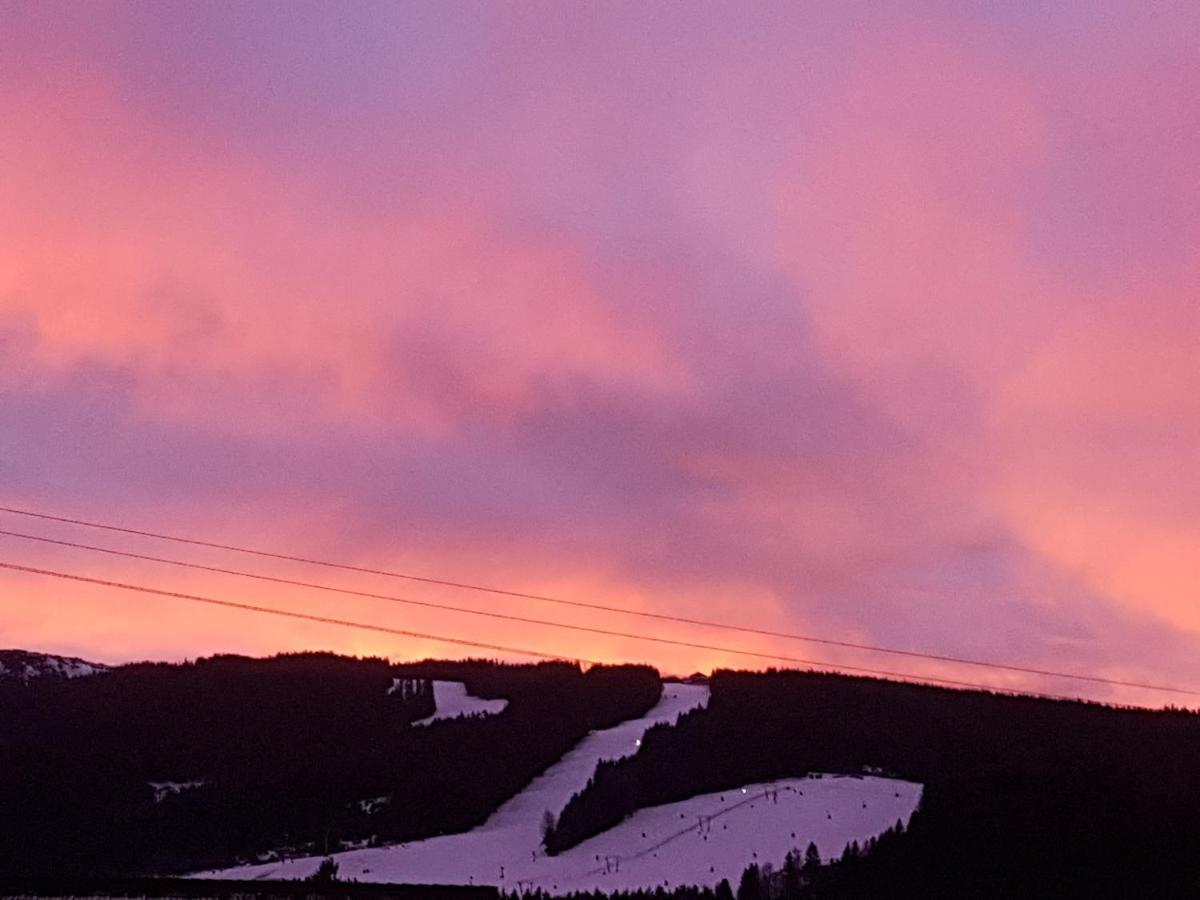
366	626
665	617
509	616
288	613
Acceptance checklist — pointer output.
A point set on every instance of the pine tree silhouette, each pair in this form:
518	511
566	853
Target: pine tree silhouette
327	872
750	887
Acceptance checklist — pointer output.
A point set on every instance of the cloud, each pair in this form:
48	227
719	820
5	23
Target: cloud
1059	408
221	282
873	326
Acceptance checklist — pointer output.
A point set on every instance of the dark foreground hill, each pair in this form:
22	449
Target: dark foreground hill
159	768
1024	797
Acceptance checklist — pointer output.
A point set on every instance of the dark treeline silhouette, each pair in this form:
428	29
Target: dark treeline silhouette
801	876
57	888
305	753
1024	797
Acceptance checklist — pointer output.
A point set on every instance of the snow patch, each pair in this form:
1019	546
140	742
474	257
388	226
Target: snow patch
452	701
372	805
404	686
164	789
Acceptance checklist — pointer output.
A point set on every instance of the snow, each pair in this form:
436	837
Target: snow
512	834
23	665
696	841
452	701
403	686
164	789
77	668
714	836
372	805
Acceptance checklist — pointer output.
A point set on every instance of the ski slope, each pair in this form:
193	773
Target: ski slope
701	840
696	841
452	701
512	835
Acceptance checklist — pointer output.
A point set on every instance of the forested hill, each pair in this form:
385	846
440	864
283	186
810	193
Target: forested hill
156	768
1024	797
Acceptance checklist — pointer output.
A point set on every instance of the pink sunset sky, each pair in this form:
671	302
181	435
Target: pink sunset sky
879	322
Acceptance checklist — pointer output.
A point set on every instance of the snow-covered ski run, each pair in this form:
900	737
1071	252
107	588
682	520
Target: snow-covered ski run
697	841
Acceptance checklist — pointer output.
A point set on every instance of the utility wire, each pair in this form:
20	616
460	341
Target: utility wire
288	613
504	616
665	617
366	626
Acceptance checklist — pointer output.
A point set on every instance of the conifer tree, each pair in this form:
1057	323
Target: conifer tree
812	856
327	872
791	875
750	887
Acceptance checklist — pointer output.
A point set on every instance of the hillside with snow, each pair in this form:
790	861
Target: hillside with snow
443	772
698	841
24	666
295	754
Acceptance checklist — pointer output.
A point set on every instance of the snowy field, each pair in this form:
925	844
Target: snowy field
451	701
696	841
